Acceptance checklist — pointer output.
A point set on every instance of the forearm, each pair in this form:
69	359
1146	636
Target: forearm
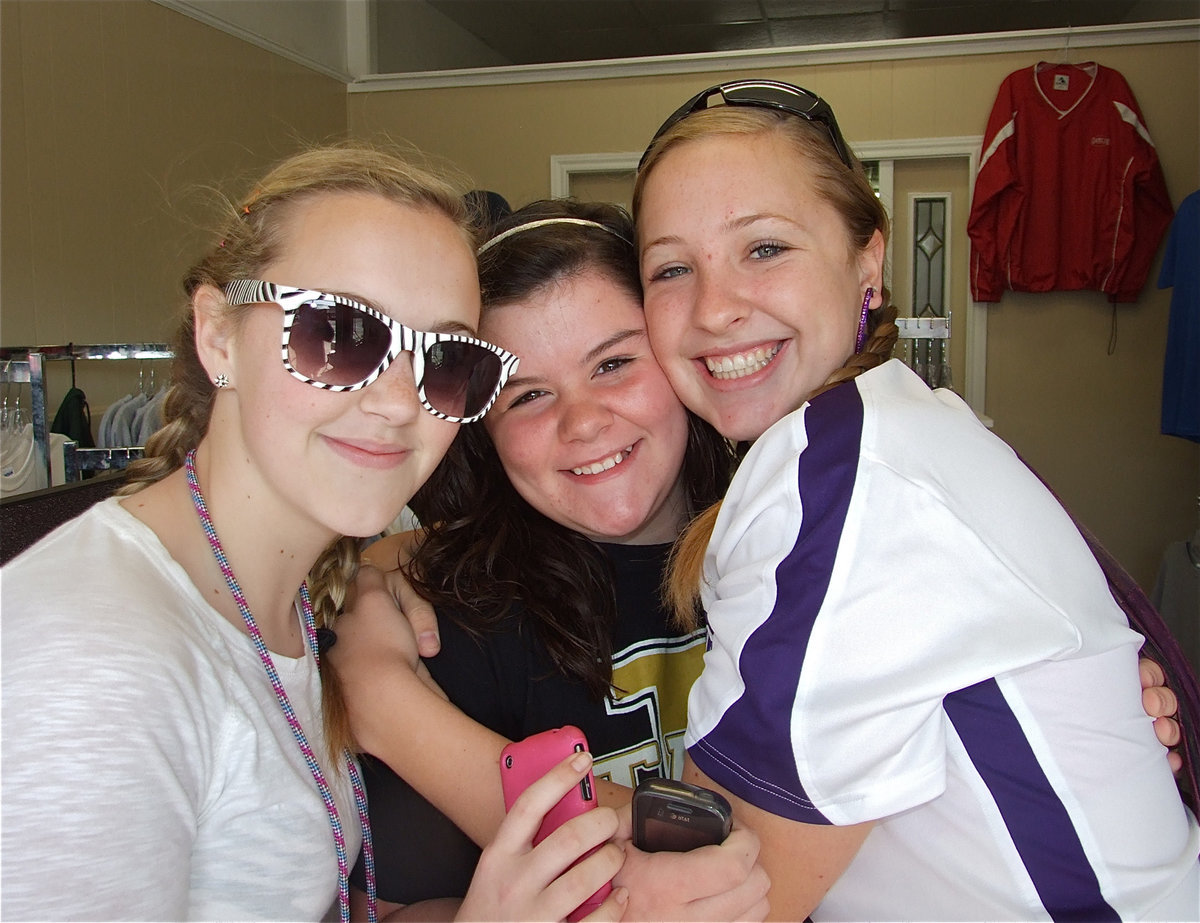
452	760
434	911
802	860
612	795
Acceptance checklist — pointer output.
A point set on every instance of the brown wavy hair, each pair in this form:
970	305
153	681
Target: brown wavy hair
845	188
250	237
488	551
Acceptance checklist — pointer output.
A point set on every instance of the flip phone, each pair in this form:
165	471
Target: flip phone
670	816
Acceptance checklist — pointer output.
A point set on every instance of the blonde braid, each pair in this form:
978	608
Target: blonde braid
328	583
685	571
186	411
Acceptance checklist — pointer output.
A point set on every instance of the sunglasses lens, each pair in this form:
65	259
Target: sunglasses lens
460	378
335	344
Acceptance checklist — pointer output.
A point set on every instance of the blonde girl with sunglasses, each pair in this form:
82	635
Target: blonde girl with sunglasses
166	754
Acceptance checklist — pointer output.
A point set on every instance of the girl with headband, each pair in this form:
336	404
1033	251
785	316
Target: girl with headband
550	524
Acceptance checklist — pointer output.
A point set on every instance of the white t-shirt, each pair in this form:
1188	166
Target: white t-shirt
905	628
148	770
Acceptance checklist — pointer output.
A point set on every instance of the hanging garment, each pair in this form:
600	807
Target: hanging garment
148	419
122	422
22	467
74	419
1070	194
1181	367
104	436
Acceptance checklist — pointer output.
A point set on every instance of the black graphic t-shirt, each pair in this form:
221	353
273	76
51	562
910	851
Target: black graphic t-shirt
508	683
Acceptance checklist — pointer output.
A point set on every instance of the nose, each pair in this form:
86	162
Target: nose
716	306
393	394
582	418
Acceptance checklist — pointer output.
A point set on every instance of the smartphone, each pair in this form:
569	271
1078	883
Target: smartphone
526	761
670	816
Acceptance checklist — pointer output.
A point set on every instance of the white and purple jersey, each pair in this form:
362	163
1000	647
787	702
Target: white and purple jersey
906	628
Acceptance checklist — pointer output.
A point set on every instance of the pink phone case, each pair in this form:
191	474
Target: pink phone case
526	761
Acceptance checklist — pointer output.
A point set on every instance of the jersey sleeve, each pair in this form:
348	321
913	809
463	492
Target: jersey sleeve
846	602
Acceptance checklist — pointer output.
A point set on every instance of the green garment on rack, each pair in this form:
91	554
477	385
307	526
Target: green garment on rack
74	419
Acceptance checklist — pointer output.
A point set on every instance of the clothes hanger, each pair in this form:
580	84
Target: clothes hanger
1062	56
1064	53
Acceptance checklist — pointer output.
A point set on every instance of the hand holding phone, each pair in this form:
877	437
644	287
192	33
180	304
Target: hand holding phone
678	816
525	761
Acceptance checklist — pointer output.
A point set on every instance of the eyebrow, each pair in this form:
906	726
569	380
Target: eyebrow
618	337
732	224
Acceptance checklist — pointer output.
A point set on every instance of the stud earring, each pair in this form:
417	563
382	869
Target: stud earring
221	381
862	321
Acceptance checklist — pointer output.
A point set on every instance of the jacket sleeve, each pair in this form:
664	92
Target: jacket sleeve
1145	221
996	200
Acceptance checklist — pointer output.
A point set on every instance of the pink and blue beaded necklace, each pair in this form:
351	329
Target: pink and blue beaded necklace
285	705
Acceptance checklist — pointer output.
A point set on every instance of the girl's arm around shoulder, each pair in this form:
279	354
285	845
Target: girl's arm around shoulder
399	716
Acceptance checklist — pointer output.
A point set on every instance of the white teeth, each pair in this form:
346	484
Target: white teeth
742	364
611	462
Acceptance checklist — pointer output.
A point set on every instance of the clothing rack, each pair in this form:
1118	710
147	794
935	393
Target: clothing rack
926	340
923	328
26	364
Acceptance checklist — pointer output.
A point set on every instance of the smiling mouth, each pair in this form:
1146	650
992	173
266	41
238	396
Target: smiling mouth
741	364
605	464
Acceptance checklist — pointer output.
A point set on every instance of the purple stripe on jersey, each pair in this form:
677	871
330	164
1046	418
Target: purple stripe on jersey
749	752
1037	820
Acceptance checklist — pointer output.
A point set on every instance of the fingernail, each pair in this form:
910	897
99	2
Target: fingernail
581	761
428	643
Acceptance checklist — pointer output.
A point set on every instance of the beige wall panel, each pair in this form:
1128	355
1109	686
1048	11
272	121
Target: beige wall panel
1087	420
16	246
120	118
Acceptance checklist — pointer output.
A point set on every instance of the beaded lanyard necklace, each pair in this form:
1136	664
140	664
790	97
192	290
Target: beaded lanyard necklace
285	705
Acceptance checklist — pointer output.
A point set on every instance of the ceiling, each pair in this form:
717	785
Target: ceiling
519	32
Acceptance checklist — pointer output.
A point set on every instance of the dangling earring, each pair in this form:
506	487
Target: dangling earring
862	321
221	381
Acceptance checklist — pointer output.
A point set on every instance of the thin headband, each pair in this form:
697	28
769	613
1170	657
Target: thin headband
542	222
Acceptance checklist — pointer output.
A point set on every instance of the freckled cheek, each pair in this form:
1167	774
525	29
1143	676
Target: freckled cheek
665	328
514	447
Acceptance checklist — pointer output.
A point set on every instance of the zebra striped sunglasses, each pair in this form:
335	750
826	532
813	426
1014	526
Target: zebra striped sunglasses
337	344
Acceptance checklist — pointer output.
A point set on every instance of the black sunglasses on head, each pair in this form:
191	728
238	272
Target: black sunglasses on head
765	94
